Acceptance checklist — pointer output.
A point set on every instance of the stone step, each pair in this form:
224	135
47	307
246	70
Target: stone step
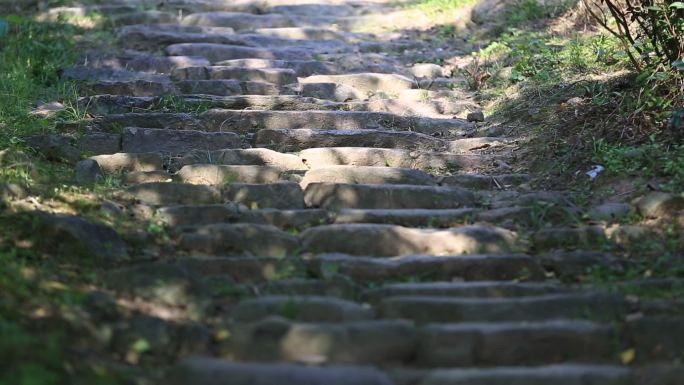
311	10
407	217
237	20
391	240
314	47
230	87
367	175
366	82
126	162
164	194
357	156
587	305
427	108
92	74
564	374
226	174
136	87
422	268
145	62
478	289
219	52
167	120
99	105
301	67
395	157
176	141
199	215
145	37
284	195
241	239
515	343
213	371
338	196
358	342
299	139
301	33
301	308
237	269
279	76
250	156
249	121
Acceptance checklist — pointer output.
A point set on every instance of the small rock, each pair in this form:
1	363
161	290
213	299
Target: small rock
659	204
87	172
477	116
609	212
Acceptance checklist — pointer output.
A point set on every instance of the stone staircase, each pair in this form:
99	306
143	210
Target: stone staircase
331	222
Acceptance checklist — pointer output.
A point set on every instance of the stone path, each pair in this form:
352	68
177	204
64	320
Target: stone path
329	219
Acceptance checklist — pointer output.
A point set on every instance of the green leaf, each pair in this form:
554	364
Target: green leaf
677	4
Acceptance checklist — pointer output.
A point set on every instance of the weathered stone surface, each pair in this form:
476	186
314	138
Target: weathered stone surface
151	38
389	240
225	174
367	175
126	162
74	237
251	156
286	219
301	67
87	172
360	342
228	87
658	204
332	91
284	195
610	212
366	82
174	193
356	156
294	140
514	343
98	143
197	215
468	267
567	374
247	121
136	87
210	371
280	76
167	120
543	307
236	20
479	289
238	269
338	196
302	308
239	239
406	217
11	191
219	52
176	141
